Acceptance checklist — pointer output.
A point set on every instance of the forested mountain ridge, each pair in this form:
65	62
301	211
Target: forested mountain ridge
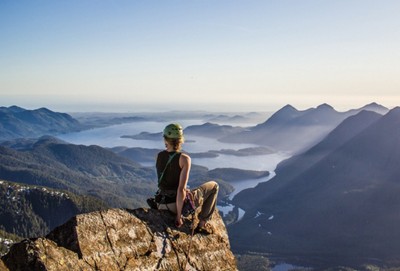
340	205
30	211
17	122
90	170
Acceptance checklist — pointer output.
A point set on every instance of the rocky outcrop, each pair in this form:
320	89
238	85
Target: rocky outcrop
119	239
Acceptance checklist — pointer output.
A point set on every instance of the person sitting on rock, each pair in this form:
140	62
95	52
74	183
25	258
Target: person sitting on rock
173	168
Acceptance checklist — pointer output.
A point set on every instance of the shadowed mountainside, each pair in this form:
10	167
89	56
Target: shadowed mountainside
337	202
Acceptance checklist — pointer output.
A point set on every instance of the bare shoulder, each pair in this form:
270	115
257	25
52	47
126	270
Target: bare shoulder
185	158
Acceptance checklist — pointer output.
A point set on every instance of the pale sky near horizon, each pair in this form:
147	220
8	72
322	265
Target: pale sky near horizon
230	55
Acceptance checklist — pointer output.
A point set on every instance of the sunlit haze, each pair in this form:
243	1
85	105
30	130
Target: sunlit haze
199	55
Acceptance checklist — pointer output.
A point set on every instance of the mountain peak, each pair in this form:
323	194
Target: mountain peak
287	107
16	109
118	239
286	113
376	108
46	140
373	104
393	113
325	106
396	109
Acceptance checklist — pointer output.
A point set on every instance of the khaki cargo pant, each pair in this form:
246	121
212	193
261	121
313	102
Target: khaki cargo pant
205	197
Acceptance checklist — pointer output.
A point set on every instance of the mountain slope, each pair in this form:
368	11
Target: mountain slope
292	130
93	170
341	208
16	122
29	211
81	169
291	168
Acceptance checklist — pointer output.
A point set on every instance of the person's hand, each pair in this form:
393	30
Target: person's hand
178	222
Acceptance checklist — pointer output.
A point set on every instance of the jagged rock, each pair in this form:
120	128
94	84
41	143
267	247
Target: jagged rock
118	239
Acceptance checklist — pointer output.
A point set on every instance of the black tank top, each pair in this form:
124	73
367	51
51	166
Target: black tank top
170	180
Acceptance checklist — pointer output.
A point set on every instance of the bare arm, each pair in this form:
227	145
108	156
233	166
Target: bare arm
185	164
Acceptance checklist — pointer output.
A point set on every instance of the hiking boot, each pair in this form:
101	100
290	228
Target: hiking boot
152	203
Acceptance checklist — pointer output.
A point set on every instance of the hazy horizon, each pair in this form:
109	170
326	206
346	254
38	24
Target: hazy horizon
140	108
143	108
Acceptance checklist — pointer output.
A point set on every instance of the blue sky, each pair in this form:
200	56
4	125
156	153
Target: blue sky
199	54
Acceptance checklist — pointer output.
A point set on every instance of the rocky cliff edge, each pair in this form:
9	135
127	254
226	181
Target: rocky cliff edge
118	239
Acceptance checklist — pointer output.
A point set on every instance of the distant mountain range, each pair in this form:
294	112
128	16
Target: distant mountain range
17	122
288	129
336	203
292	130
212	130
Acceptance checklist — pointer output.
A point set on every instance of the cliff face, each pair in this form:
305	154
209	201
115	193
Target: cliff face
119	239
